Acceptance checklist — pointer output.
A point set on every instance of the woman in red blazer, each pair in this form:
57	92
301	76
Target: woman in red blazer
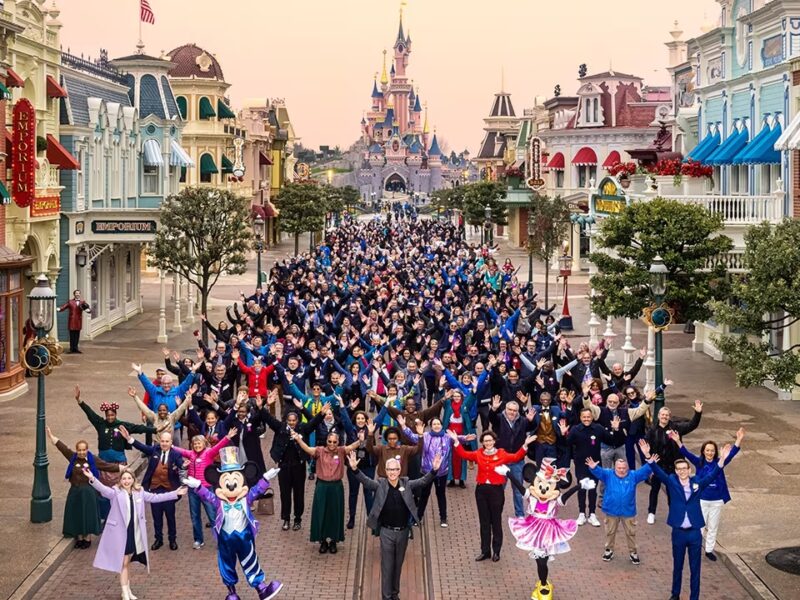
489	488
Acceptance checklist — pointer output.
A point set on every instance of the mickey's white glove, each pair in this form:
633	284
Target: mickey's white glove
502	470
588	483
271	474
191	482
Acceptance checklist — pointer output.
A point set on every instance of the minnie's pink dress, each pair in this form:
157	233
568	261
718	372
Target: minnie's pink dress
540	533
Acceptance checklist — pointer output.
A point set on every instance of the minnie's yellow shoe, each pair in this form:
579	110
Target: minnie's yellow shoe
545	591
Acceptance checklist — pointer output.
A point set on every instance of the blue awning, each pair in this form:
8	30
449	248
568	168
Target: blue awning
704	148
760	150
152	154
727	150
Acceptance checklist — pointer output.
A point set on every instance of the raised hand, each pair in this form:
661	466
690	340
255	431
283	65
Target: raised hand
131	392
232	433
615	423
402	421
53	439
739	436
723	454
674	436
353	460
529	440
698	406
137	367
437	462
123	431
591	463
496	400
371	427
452	435
165	352
562	425
645	446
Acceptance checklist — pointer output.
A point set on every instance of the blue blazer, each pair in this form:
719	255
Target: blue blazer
679	506
174	464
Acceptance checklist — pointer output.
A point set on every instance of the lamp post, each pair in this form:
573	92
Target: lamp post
487	215
565	267
659	318
258	230
531	232
39	359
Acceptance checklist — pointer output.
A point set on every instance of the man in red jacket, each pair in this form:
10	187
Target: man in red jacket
76	308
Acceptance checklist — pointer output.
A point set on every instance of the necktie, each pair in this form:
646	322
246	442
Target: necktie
236	505
164	458
211	431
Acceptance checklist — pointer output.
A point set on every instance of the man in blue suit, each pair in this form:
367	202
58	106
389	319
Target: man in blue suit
685	516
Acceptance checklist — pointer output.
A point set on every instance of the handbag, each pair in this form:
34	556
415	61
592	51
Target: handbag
265	504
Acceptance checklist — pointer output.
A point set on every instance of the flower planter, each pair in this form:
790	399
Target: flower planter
666	185
696	186
514	182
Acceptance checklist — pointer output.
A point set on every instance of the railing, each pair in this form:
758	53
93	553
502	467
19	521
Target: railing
733	261
99	67
739	210
47	176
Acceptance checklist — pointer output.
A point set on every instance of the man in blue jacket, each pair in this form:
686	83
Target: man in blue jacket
167	393
685	516
619	502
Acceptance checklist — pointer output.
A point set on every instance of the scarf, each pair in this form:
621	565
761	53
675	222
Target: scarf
89	459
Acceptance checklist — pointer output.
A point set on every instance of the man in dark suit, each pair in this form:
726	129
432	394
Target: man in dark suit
162	475
76	308
392	510
685	516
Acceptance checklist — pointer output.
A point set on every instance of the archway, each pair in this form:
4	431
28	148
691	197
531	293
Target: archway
395	183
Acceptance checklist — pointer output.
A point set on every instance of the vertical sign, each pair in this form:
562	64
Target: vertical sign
535	180
23	165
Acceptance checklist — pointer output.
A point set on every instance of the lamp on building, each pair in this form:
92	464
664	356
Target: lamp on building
258	230
81	256
41	310
660	318
565	269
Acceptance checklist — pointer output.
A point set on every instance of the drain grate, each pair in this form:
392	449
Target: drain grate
785	559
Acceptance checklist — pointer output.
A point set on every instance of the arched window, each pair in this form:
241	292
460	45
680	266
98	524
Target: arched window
208	168
183	107
595	112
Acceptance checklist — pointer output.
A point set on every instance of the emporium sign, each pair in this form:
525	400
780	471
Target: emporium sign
123	227
23	166
46	206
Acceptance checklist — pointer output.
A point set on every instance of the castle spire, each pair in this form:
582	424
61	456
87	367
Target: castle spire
425	128
384	76
401	37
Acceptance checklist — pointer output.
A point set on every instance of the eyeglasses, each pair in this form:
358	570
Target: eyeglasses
393	468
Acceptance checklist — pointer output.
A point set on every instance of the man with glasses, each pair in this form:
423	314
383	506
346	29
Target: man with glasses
511	429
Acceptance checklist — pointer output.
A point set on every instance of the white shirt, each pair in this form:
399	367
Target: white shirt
234	519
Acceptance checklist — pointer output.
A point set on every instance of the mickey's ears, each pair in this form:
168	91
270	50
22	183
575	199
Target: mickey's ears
529	472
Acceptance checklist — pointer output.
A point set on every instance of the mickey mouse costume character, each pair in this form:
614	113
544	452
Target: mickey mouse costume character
237	486
541	533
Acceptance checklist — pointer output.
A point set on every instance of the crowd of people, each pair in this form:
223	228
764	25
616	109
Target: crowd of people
400	357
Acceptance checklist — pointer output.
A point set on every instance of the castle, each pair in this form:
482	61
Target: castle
401	155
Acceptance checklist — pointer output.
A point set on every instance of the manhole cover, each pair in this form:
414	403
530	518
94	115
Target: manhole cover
785	559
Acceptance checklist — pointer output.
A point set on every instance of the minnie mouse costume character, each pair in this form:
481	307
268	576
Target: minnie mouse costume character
236	488
541	533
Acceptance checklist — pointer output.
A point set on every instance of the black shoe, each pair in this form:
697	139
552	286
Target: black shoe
87	544
332	548
711	556
285	525
495	557
173	545
411	533
674	598
351	522
323	547
156	545
482	556
296	526
78	352
311	476
208	525
461	484
451	483
78	544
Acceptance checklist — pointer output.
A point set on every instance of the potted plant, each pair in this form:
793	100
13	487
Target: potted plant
514	177
623	171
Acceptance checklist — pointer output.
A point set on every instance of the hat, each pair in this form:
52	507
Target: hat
229	459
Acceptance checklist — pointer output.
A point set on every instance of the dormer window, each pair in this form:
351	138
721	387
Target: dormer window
591	111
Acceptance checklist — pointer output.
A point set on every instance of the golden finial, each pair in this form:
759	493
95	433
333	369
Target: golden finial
425	128
384	76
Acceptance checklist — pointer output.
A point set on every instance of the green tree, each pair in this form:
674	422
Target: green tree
302	208
684	235
770	287
350	197
203	234
477	196
551	219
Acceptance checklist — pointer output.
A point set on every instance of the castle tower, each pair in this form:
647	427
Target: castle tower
400	87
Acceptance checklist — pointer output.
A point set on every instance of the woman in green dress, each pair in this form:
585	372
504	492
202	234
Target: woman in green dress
81	514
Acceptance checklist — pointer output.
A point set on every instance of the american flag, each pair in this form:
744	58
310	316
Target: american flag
146	13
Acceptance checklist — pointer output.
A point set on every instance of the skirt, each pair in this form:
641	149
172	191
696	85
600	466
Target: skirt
542	537
327	512
81	515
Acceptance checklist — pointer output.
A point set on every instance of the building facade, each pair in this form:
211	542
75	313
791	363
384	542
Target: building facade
498	148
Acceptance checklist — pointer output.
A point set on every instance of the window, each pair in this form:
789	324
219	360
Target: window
183	107
115	172
128	276
133	162
11	300
585	174
112	282
559	179
184	170
740	179
591	113
95	289
150	180
595	114
768	176
80	182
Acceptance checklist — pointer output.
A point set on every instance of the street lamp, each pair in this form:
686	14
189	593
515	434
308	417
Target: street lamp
659	318
487	215
41	308
258	230
531	233
565	267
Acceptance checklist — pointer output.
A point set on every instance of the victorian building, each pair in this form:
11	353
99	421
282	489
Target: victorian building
498	148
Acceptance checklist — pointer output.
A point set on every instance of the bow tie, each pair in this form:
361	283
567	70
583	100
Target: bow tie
237	505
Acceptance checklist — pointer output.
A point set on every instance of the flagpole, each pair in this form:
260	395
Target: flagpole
140	45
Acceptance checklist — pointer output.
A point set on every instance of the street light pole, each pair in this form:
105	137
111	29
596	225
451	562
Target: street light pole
531	232
258	229
487	213
565	266
659	318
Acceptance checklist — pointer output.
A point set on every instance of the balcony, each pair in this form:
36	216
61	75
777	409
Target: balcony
735	210
47	177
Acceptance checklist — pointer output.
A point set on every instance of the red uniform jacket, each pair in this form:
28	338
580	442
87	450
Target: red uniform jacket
75	308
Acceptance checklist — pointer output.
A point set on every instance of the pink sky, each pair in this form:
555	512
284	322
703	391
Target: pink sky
321	55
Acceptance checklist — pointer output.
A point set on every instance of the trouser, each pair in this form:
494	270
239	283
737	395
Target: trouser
312	442
712	511
543	451
238	546
393	553
628	526
516	471
490	500
483	413
160	510
74	339
353	484
684	540
292	481
440	484
195	502
655	487
631	449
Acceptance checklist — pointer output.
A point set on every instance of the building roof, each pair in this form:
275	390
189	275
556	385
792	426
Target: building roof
611	75
492	146
502	106
192	61
417	106
75	110
375	92
434	150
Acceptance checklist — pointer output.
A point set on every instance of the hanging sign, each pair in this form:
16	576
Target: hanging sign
23	158
535	179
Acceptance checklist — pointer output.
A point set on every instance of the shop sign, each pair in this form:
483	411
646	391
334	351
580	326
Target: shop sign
535	179
611	198
46	206
23	165
124	227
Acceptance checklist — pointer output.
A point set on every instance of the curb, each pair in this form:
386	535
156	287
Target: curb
757	589
51	561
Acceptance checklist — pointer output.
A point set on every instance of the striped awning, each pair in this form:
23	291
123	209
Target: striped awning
178	156
557	162
152	154
612	159
585	157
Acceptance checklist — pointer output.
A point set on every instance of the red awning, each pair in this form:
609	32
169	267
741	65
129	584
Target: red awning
13	80
263	160
585	156
54	90
612	159
60	156
557	162
257	211
269	210
9	145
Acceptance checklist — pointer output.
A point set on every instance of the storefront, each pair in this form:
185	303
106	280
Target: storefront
12	307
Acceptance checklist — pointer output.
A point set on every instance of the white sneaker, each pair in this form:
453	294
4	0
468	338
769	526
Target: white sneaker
581	520
593	520
198	545
651	518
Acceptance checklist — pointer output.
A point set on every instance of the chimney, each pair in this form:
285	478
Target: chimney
676	46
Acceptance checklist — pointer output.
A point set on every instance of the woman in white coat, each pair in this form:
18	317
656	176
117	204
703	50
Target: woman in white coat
124	537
